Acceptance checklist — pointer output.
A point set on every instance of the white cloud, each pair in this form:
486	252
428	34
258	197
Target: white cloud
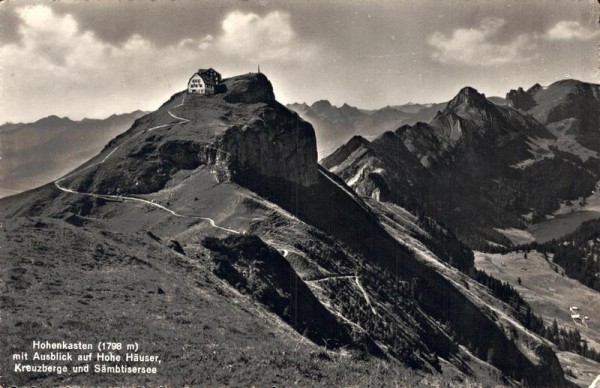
252	38
478	46
268	37
570	30
265	37
206	42
58	68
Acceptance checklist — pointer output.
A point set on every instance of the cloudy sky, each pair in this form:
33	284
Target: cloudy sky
95	58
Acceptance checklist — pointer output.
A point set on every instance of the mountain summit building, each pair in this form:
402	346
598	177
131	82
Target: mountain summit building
205	81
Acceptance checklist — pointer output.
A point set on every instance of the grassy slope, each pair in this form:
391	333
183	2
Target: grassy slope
550	294
97	283
205	332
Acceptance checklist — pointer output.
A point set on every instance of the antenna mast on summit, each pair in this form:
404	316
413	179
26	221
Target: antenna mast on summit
259	69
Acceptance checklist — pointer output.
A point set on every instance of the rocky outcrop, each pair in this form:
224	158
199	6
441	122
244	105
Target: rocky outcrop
561	100
255	269
519	99
275	143
568	107
572	99
548	373
249	89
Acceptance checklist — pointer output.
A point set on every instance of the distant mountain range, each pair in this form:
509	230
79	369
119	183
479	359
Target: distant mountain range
479	167
36	153
336	125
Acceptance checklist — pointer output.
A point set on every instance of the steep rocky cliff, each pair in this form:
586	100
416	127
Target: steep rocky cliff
521	99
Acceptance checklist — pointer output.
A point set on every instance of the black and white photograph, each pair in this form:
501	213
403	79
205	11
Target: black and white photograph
278	193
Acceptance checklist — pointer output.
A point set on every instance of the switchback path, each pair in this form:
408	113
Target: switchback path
356	281
182	120
365	295
124	198
324	278
182	102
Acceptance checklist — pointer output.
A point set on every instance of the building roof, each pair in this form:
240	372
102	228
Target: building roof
207	80
193	75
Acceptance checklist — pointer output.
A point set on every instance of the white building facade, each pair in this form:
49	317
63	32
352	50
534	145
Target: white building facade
204	82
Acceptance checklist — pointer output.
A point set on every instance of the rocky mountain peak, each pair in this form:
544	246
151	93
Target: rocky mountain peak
298	105
357	141
321	105
468	111
534	89
567	82
53	120
520	99
350	110
468	97
241	133
562	100
250	88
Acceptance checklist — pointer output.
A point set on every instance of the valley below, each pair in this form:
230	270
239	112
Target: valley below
561	223
551	294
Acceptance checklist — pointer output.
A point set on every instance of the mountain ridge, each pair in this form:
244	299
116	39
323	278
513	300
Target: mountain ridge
334	125
486	157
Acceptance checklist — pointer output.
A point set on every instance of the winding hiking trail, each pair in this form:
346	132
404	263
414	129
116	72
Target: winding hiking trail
124	198
356	281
